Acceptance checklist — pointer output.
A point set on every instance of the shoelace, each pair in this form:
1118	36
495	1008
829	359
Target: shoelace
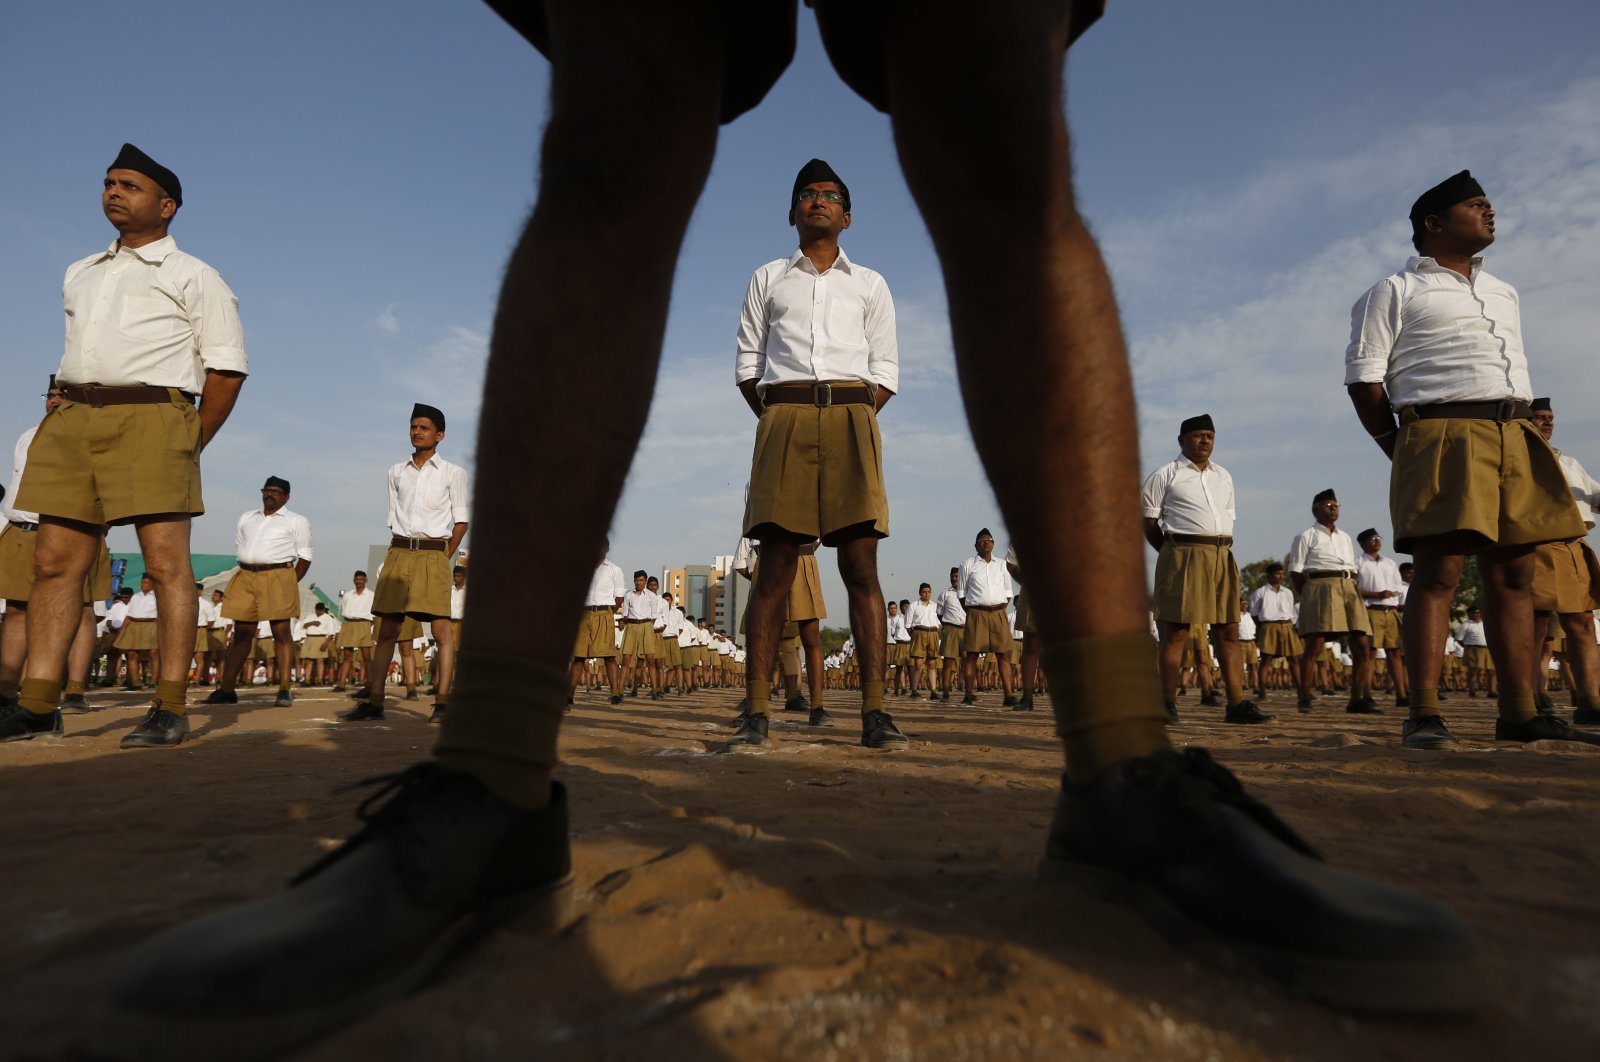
420	781
1198	764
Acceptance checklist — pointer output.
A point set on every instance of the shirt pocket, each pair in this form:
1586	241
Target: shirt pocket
847	320
146	318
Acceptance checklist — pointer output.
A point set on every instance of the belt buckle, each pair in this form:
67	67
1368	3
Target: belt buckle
1505	409
822	395
91	396
411	544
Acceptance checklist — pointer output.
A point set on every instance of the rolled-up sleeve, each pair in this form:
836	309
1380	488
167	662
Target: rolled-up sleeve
1153	493
1374	328
302	539
750	359
459	502
214	316
883	347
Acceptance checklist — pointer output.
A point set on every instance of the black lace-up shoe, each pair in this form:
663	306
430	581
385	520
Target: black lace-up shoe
362	712
159	729
1175	836
1428	732
879	732
1246	712
19	724
221	696
1543	728
752	731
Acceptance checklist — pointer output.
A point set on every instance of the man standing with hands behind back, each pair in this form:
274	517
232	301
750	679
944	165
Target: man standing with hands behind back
151	331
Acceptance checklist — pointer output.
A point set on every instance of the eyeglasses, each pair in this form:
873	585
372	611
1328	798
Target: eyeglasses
272	490
808	194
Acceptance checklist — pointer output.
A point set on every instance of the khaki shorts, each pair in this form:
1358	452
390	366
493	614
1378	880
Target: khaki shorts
1024	620
1477	658
16	567
1197	649
952	641
416	582
355	634
1490	484
1248	652
115	464
202	639
1566	578
1332	606
315	647
805	596
1278	638
595	635
216	639
637	639
988	631
136	635
264	649
410	629
672	653
1385	625
816	472
255	596
924	645
1196	583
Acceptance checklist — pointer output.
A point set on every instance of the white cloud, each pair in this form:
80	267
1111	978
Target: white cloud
387	321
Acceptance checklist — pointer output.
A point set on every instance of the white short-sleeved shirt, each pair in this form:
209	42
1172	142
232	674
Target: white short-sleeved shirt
19	463
1188	499
605	586
427	502
356	606
272	538
1317	549
950	608
1272	605
143	605
1380	573
1585	491
922	615
984	583
458	602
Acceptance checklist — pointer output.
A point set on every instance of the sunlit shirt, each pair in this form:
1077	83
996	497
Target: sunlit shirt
1373	575
1272	605
1585	491
149	315
1189	500
801	326
605	586
1429	334
950	608
1316	549
427	502
19	462
984	582
275	538
356	606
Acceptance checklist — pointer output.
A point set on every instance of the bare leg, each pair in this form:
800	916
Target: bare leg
62	555
1582	654
165	543
1508	616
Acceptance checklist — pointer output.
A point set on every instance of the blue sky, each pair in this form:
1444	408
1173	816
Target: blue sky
358	172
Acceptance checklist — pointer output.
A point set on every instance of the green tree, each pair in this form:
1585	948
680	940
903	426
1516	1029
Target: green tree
1254	574
833	638
1469	591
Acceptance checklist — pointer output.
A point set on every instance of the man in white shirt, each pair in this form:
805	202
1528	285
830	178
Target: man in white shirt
597	629
273	545
1381	588
18	538
355	633
952	633
817	360
1188	511
985	588
427	521
1566	580
139	639
1036	336
458	603
894	626
320	631
1322	563
639	607
1440	342
922	619
206	616
150	331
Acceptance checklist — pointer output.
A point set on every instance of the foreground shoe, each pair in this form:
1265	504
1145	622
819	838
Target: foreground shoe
440	710
1008	702
411	695
819	717
339	689
221	696
361	693
1363	706
433	869
19	724
283	700
1543	728
1429	732
1303	704
1544	705
752	731
1403	702
879	732
1211	700
944	698
797	703
1586	716
76	703
1176	837
159	729
616	698
363	711
968	700
1246	712
1024	704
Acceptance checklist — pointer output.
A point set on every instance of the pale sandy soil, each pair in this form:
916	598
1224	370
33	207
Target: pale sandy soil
816	901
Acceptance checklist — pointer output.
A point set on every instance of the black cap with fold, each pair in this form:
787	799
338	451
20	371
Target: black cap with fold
433	413
814	172
131	158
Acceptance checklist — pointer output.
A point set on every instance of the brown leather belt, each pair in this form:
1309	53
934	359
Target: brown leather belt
957	626
1203	540
601	608
984	608
821	395
134	395
1380	608
415	544
1330	575
265	567
928	628
808	549
1501	410
627	620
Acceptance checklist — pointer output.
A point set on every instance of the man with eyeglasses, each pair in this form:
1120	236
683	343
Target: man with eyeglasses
18	539
274	551
481	829
817	360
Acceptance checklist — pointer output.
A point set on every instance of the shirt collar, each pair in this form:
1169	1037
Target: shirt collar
1424	264
434	460
1182	460
842	262
154	253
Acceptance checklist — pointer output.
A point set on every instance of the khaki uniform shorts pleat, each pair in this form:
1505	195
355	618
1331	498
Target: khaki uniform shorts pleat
416	582
1566	577
636	640
1477	657
136	635
1385	627
255	596
988	631
1332	606
596	639
924	644
805	596
1278	638
952	641
1196	583
355	634
16	567
815	472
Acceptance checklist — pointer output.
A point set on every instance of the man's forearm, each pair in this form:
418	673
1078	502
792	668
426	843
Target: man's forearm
747	388
220	392
1376	414
456	536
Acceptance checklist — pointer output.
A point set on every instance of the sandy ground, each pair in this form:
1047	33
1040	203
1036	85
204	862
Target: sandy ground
818	900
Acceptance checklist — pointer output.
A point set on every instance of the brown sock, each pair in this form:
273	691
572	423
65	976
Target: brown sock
1107	696
1517	706
504	717
39	696
1235	694
756	693
871	697
1425	702
74	688
173	696
8	688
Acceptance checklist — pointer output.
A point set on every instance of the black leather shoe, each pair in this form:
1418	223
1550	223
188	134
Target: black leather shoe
1543	728
1363	706
363	711
1303	704
19	724
797	703
752	731
411	695
1008	702
159	729
1586	716
283	700
944	698
1544	705
819	717
1246	712
361	693
440	710
879	732
1429	732
1024	703
616	698
76	703
968	701
1402	702
221	696
1175	836
1211	700
434	868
